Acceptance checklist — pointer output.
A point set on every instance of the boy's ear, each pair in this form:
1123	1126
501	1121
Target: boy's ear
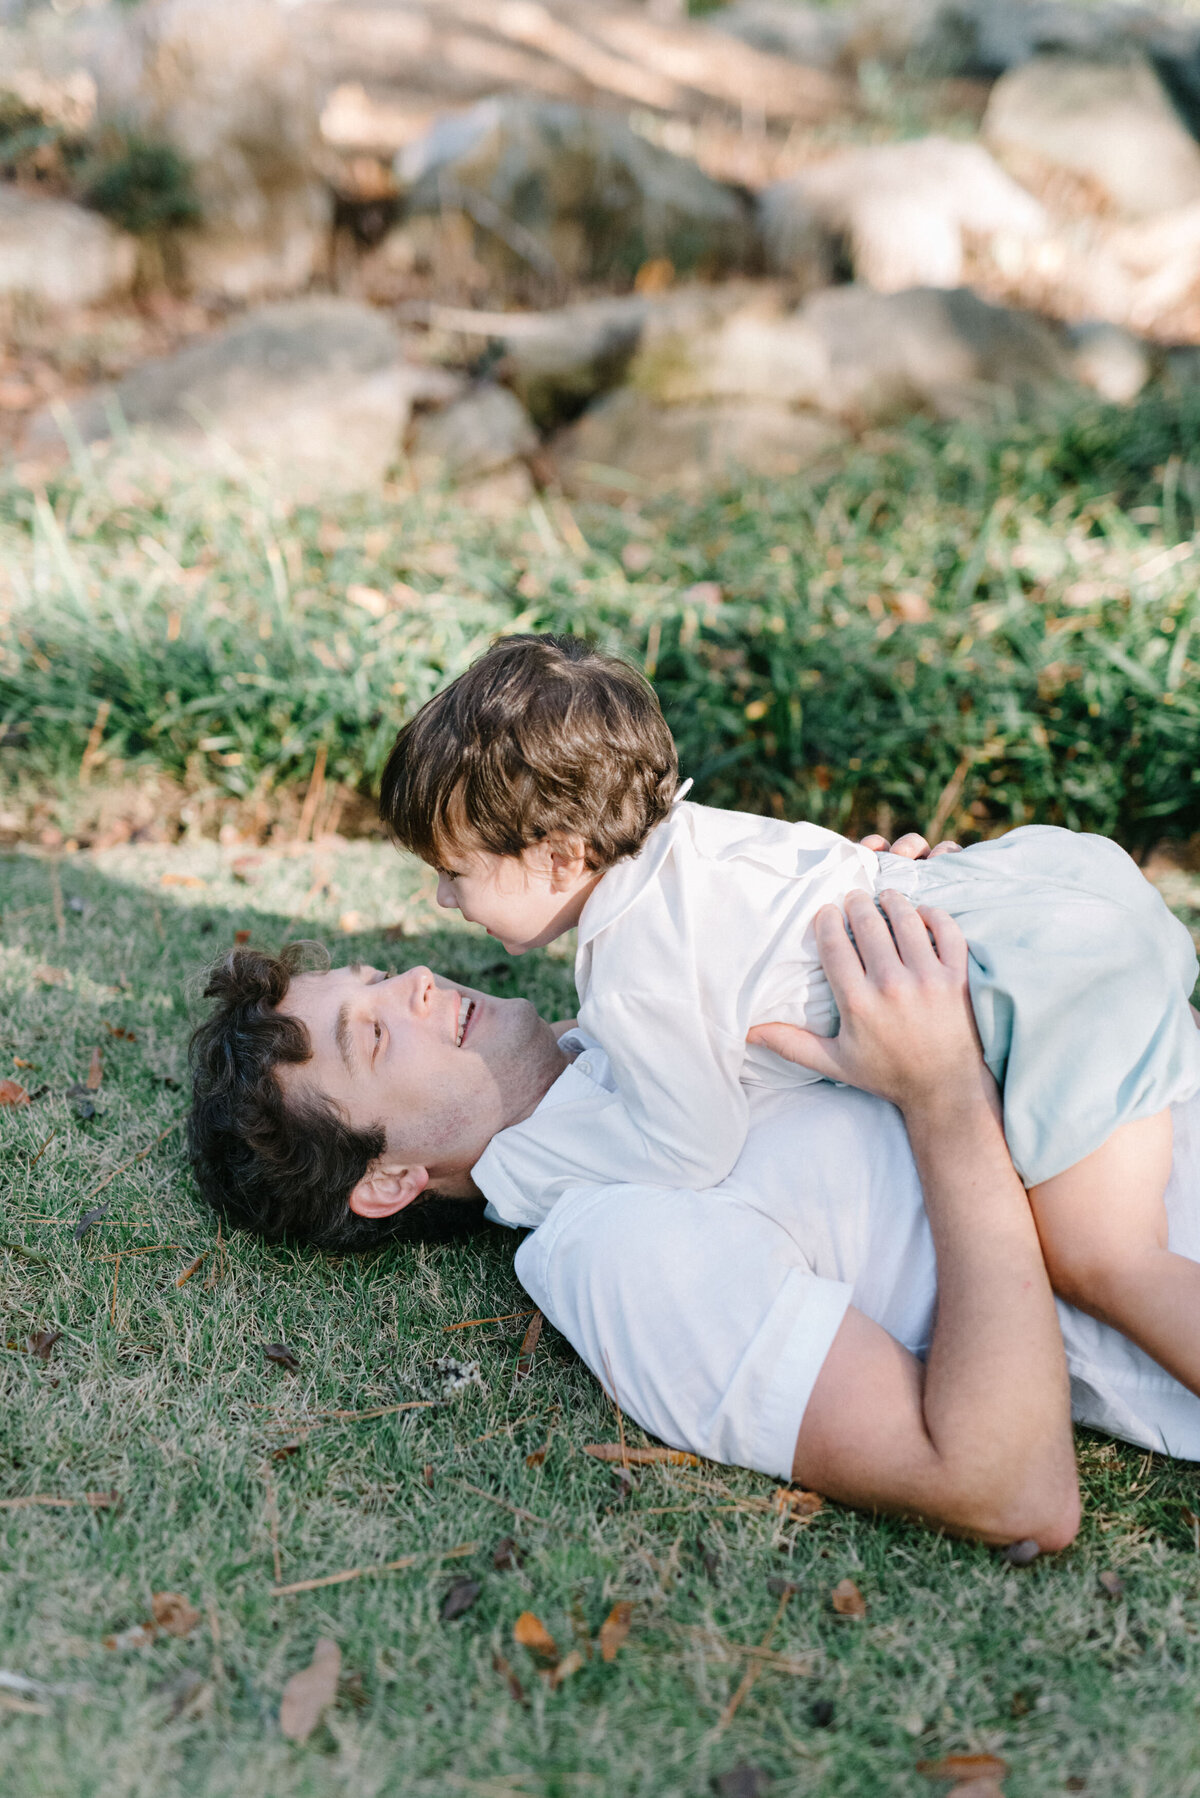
568	858
386	1188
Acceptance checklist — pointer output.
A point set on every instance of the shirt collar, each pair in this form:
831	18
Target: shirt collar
624	884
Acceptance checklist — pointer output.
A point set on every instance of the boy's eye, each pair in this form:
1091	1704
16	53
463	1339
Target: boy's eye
448	874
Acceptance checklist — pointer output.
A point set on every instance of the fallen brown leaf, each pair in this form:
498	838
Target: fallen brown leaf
13	1093
570	1663
1111	1584
121	1035
172	879
640	1457
309	1693
531	1633
847	1600
174	1613
515	1689
538	1455
95	1073
614	1629
529	1343
241	936
966	1769
459	1598
281	1356
286	1450
798	1502
42	1345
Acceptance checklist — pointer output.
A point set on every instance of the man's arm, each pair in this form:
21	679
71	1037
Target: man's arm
979	1439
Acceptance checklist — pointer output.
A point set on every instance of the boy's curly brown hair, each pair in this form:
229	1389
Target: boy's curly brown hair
543	734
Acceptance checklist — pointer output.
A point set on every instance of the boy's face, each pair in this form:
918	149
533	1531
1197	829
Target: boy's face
525	900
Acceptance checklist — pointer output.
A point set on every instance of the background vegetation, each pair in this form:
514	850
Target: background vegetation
948	627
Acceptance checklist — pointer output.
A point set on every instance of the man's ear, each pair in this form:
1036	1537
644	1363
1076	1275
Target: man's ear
385	1189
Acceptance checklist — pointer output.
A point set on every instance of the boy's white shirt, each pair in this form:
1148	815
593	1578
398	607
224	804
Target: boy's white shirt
706	932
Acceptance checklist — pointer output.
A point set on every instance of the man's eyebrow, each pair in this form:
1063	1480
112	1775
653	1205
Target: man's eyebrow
342	1037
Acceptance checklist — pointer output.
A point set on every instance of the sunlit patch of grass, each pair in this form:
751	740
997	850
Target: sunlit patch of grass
163	1394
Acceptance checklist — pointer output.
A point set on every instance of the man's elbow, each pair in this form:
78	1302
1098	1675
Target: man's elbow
1046	1511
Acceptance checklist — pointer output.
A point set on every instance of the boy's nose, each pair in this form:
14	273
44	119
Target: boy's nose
445	894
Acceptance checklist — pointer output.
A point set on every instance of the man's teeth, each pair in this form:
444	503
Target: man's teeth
463	1022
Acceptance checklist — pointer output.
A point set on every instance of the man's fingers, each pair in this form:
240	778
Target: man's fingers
800	1046
912	846
911	937
945	849
872	939
878	843
948	939
840	957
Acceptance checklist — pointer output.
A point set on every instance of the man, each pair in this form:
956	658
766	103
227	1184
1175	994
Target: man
774	1321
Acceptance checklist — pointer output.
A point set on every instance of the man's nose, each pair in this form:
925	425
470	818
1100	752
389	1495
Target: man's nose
417	986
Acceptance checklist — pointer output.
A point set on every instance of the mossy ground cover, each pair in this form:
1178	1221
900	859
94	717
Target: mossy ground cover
163	1395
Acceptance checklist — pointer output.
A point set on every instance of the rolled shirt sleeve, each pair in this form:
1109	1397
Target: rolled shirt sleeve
699	1309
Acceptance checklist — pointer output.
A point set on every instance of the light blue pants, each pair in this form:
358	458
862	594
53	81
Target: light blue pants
1080	979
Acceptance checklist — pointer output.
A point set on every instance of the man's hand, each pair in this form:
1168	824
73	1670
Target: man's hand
907	1031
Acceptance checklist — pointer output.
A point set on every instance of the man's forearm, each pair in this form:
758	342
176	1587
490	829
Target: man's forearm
996	1398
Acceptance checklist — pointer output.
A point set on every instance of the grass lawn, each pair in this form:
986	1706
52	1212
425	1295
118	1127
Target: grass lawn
235	1475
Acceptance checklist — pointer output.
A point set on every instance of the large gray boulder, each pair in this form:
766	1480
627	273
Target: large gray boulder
563	193
903	211
484	430
315	391
226	84
1110	123
627	442
58	254
863	356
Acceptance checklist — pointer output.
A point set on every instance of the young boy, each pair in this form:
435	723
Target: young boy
543	787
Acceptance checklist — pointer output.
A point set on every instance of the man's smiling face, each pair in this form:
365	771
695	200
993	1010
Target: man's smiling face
439	1067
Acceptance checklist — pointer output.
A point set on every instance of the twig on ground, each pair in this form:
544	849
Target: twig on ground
351	1573
752	1671
193	1267
273	1525
505	1317
504	1503
43	1148
140	1156
99	1501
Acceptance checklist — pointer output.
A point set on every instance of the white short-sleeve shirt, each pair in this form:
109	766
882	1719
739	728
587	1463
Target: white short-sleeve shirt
713	1311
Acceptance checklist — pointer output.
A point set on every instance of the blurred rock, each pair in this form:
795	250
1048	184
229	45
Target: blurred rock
796	239
60	255
313	390
1109	123
1113	362
627	441
557	361
486	429
815	35
902	209
569	194
225	84
982	39
864	356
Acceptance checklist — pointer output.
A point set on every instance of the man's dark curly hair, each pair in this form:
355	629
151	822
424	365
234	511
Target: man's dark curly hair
284	1169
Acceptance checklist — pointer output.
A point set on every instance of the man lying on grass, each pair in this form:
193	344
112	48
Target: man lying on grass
783	1320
